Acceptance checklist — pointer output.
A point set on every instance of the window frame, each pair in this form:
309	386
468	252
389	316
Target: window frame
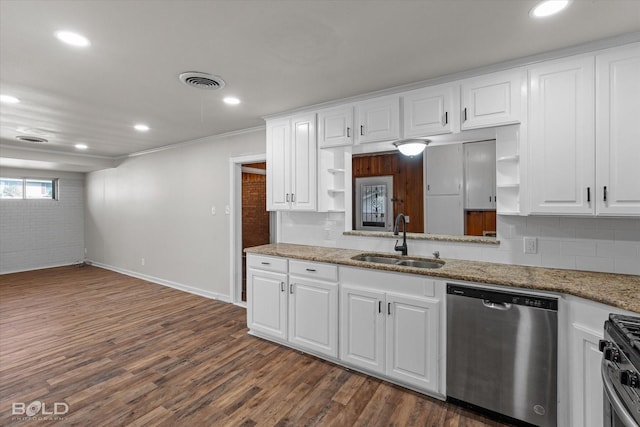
55	188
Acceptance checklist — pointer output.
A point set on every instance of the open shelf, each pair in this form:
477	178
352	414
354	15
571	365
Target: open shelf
513	158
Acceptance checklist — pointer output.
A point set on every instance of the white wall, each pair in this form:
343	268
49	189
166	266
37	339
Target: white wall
602	244
158	207
42	233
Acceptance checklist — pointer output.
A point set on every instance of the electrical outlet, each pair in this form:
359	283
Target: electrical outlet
406	218
530	245
227	210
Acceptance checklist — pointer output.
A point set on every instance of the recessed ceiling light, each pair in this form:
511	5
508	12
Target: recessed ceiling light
231	100
8	99
81	146
141	127
73	39
548	8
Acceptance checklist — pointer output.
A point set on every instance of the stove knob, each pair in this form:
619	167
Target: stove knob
612	354
630	378
603	344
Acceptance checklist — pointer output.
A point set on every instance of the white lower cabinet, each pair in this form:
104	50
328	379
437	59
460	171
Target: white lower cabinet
585	328
412	340
392	334
301	308
267	285
313	315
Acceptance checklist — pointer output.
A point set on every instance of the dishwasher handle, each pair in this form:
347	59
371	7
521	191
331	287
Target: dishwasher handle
504	306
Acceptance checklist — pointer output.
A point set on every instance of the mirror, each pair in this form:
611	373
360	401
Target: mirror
450	189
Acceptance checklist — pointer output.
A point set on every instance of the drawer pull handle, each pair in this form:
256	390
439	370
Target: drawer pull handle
389	308
379	306
281	286
465	114
265	263
605	193
361	130
291	288
348	132
313	270
588	194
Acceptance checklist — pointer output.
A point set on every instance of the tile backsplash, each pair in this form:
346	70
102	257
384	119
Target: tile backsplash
593	244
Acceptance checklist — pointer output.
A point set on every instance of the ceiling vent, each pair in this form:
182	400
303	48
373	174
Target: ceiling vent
202	80
32	139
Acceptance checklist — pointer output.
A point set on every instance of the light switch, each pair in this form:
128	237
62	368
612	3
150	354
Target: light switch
213	210
227	210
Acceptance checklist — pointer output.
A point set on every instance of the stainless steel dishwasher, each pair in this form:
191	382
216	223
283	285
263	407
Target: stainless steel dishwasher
502	352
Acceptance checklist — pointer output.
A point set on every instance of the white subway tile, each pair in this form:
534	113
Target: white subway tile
592	263
579	247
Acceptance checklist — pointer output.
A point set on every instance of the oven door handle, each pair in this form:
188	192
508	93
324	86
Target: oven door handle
613	398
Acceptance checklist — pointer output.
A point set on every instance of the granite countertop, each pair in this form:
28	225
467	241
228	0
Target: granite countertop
618	290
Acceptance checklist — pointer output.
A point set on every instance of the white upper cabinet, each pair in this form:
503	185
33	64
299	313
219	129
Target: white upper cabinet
431	111
335	127
378	119
278	161
561	136
618	132
491	100
292	163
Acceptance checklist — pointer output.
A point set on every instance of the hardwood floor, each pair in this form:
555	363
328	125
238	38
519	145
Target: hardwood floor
121	351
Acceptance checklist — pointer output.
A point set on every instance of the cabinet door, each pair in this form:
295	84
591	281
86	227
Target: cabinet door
617	132
267	303
491	100
444	169
304	163
480	175
561	137
379	119
313	315
429	111
278	164
413	340
586	386
362	328
335	127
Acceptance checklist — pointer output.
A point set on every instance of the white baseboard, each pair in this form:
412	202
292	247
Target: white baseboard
66	264
159	281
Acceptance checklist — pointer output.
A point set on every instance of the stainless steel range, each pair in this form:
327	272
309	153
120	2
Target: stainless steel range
620	371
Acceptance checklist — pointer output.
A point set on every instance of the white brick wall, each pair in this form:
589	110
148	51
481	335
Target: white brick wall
42	233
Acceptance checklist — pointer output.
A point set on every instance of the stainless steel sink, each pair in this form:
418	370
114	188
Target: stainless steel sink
405	262
418	263
376	259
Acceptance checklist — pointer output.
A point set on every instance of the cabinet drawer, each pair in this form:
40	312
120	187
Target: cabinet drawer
315	270
268	263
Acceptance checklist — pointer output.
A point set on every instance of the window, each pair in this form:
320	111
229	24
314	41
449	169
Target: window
28	188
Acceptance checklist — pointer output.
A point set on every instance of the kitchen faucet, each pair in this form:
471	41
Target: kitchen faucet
403	246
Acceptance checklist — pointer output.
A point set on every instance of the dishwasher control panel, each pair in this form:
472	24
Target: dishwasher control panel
502	297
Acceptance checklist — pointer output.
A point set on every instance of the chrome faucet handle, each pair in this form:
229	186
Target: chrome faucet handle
436	254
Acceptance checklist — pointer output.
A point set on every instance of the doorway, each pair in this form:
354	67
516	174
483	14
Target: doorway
249	211
255	217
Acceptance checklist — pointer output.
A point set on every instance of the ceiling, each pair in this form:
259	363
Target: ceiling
273	55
